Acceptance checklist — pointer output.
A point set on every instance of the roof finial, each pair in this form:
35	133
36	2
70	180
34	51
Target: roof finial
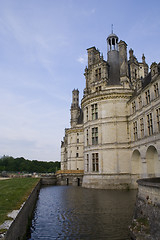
112	28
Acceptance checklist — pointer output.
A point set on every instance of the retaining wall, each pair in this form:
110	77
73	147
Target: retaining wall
49	180
146	220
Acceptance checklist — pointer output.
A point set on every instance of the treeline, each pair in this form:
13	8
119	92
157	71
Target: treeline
10	164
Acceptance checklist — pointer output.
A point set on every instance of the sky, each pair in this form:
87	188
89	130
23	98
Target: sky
43	56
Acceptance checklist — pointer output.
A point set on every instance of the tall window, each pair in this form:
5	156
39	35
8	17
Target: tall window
94	108
156	90
150	124
86	113
87	138
98	74
95	162
140	101
87	162
147	93
95	136
133	107
158	118
77	155
135	130
142	127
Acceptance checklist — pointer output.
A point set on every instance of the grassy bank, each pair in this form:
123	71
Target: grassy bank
13	192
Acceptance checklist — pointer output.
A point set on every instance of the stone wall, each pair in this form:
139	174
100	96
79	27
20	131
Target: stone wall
146	220
49	180
107	181
74	179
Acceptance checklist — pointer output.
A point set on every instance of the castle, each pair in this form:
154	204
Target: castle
115	134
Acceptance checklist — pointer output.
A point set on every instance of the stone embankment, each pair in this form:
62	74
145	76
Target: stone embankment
146	220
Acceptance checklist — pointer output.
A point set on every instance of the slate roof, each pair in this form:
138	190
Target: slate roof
146	80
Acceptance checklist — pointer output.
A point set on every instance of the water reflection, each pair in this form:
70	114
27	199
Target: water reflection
66	212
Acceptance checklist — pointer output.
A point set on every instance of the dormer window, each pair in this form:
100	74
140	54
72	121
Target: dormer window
98	74
140	101
147	94
133	107
156	90
98	89
135	73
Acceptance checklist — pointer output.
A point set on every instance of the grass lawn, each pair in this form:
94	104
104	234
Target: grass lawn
13	192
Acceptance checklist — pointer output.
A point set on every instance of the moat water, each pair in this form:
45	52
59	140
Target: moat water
70	213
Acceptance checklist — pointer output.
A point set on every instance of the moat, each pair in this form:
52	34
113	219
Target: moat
67	212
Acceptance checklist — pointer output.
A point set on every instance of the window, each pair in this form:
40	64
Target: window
98	88
95	136
87	162
94	111
150	125
147	93
156	90
142	127
98	74
133	107
140	101
135	73
77	155
95	162
86	113
77	140
135	130
158	118
77	148
87	138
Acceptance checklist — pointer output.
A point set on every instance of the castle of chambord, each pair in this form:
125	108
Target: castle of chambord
114	137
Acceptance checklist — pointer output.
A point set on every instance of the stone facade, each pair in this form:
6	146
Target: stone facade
115	134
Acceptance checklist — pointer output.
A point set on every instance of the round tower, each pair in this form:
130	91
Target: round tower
75	109
113	59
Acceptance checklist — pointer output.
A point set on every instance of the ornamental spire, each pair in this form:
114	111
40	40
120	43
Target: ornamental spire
112	28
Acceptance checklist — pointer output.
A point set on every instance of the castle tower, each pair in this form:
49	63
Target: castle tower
124	76
75	109
113	59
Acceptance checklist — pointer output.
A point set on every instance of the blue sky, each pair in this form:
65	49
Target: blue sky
42	59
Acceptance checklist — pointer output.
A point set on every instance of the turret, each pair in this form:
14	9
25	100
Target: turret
123	64
75	109
113	59
145	65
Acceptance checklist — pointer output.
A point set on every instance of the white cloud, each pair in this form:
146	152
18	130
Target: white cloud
39	64
82	59
89	12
